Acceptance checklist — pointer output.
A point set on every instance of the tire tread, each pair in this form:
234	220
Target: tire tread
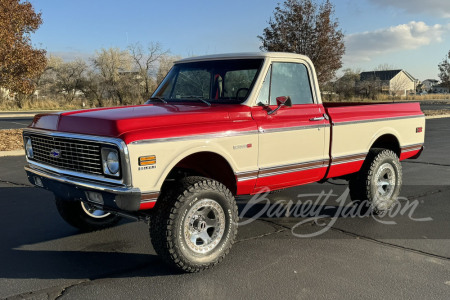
166	211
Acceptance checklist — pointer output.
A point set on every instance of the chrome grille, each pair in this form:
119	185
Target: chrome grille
74	155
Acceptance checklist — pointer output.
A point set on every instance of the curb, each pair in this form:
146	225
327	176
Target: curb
12	153
17	116
437	117
24	114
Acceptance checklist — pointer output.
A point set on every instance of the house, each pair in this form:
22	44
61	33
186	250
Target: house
394	82
428	84
440	89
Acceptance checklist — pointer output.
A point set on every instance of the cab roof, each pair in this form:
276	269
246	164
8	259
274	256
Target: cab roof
243	55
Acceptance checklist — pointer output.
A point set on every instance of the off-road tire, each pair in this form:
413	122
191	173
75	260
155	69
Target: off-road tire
170	225
73	213
380	166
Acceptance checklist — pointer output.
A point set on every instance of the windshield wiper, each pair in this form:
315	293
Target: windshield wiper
156	98
197	98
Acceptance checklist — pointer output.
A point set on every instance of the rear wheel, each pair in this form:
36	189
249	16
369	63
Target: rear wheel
194	224
85	216
379	180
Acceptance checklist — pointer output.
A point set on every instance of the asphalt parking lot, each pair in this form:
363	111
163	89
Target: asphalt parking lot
14	123
405	255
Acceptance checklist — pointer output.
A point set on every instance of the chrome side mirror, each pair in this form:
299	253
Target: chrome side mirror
281	101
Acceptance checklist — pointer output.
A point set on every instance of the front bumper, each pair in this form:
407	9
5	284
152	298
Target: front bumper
70	188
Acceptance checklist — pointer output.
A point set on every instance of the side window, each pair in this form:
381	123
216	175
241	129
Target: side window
237	83
263	96
290	79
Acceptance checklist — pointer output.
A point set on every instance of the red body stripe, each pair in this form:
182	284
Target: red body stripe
290	179
147	205
245	187
345	168
407	154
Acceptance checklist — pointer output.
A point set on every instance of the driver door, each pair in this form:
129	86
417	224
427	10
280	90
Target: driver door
291	140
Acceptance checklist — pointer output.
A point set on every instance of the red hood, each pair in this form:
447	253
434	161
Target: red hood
148	121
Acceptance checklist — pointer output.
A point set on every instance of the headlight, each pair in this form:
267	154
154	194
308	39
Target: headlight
111	162
28	147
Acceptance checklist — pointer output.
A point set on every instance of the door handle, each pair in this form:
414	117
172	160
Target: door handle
317	119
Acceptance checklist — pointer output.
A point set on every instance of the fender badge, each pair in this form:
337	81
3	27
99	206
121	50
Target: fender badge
237	147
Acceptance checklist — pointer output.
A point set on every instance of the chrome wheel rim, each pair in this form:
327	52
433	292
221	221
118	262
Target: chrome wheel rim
204	226
94	212
385	185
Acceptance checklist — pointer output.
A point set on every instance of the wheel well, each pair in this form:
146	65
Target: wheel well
207	164
387	141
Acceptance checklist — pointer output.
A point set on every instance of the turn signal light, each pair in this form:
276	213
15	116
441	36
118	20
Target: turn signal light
418	129
147	160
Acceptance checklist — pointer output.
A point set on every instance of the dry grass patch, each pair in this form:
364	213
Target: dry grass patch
11	139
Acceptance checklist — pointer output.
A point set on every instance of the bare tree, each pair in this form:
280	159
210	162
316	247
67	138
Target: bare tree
345	86
146	61
112	64
165	64
384	67
94	88
70	77
370	87
302	26
444	71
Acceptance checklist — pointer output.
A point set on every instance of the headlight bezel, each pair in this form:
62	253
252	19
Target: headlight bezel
28	147
111	162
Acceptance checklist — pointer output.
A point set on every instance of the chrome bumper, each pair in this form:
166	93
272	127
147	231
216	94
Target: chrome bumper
74	188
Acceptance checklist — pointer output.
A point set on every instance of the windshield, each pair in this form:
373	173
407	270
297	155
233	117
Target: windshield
216	81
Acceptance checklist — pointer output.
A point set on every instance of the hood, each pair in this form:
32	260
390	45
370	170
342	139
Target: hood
155	120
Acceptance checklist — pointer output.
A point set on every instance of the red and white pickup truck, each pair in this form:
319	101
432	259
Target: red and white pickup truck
217	127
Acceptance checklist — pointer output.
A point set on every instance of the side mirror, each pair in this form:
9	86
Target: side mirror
284	101
281	101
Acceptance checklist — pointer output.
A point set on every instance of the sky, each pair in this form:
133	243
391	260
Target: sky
413	35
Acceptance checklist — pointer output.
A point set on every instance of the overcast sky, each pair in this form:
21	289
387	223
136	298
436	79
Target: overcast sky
407	34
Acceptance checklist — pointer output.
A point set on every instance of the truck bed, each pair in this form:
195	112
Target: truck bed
355	128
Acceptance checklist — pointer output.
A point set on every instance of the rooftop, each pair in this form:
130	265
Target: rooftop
245	55
383	75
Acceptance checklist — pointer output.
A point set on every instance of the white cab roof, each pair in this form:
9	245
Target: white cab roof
244	55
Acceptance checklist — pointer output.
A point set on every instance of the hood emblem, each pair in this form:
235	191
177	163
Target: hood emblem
55	153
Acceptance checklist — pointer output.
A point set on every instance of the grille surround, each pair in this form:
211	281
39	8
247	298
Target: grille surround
65	153
126	178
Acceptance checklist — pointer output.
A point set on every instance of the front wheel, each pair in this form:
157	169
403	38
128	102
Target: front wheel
379	181
84	216
194	224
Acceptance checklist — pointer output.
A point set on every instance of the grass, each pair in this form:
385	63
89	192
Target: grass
57	104
40	105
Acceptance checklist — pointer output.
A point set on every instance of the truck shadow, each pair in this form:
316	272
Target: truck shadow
78	264
33	232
